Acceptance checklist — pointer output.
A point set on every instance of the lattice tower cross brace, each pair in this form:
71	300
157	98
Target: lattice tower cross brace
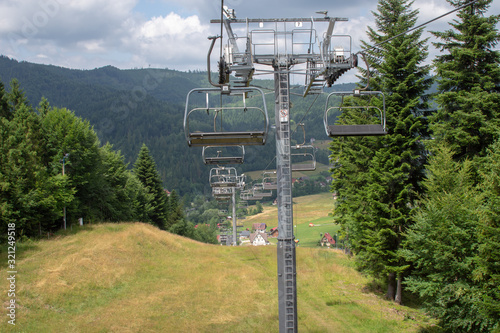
287	277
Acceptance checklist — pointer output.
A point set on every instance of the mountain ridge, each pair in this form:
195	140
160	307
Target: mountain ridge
130	107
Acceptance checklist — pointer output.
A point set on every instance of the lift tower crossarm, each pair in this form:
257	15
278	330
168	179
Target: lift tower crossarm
277	20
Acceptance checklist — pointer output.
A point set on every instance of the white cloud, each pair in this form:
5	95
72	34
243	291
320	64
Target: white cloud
172	25
430	9
94	33
170	41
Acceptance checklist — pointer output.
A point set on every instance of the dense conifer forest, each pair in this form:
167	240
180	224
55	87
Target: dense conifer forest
129	108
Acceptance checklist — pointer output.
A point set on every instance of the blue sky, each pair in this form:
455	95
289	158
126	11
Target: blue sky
86	34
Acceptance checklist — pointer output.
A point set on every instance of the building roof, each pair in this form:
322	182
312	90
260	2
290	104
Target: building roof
257	234
329	238
259	226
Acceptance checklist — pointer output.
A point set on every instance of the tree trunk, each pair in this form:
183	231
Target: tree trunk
399	297
391	286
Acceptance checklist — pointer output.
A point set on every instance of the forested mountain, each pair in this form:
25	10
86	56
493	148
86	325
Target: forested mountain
130	107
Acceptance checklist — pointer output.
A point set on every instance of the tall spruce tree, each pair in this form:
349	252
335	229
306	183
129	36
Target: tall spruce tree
468	116
487	268
145	171
454	244
442	245
381	177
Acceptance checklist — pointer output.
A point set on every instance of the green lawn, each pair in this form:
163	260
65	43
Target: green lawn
313	209
309	236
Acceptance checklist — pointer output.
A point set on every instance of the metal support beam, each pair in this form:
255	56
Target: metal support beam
235	242
287	283
231	38
328	36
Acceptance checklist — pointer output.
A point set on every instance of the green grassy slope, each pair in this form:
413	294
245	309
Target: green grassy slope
132	277
307	209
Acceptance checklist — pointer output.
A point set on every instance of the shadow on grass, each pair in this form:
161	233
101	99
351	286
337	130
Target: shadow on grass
410	300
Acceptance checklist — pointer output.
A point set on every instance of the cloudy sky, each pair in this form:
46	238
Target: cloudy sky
86	34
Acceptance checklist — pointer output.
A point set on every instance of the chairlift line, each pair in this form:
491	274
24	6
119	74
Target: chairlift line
321	68
325	61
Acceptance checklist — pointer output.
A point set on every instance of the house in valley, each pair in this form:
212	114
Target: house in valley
258	238
327	240
273	232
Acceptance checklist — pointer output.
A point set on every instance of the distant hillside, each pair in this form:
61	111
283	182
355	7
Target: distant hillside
135	278
130	107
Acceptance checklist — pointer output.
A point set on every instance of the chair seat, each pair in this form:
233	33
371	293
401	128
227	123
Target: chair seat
356	130
227	138
303	167
223	160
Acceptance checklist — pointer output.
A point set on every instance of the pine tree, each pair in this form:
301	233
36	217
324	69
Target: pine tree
454	246
385	173
145	171
487	272
468	116
175	210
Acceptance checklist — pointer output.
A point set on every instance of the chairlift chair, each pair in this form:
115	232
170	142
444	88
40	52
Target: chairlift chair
269	180
222	193
371	129
223	177
220	136
248	195
258	191
209	158
306	153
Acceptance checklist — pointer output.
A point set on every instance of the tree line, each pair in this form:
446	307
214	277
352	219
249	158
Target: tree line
54	170
420	206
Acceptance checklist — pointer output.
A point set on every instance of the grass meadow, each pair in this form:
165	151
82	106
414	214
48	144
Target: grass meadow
132	277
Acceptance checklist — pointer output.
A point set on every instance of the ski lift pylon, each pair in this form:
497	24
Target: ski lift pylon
219	136
358	129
